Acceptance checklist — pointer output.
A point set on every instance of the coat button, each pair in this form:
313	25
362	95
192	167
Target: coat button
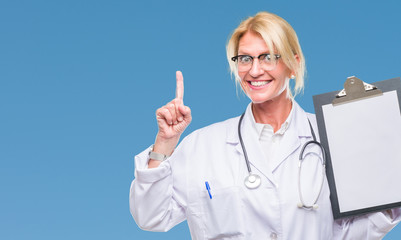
273	236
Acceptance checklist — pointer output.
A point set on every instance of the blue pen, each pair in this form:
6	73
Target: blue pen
208	189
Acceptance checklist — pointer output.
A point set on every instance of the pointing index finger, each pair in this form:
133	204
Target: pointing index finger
179	92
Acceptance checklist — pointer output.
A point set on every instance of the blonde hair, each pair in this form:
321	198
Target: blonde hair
279	35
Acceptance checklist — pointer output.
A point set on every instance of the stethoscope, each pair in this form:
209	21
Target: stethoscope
253	180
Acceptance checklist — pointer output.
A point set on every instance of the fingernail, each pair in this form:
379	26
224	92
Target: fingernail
180	119
175	122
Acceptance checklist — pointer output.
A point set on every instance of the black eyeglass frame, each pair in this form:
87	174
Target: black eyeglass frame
235	58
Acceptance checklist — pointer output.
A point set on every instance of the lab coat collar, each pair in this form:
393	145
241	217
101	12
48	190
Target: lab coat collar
298	128
260	127
300	123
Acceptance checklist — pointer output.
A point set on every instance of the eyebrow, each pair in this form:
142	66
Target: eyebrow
252	55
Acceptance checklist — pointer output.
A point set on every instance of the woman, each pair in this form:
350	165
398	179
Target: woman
202	180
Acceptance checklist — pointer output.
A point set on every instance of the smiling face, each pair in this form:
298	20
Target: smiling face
261	85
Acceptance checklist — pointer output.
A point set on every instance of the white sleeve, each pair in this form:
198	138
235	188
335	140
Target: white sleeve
371	226
155	203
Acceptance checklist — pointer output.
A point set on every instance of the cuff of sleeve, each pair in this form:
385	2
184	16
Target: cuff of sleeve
384	221
144	174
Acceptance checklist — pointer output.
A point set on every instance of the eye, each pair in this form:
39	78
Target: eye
265	57
245	59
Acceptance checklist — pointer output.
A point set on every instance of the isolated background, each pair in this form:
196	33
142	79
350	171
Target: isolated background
80	82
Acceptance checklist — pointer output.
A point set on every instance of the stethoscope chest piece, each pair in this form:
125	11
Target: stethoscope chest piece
252	181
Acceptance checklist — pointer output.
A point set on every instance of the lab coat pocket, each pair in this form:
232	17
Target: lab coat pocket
222	214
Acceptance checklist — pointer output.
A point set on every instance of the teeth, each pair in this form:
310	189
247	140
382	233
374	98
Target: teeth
259	83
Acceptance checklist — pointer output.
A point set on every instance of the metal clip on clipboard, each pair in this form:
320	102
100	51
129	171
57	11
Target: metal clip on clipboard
355	89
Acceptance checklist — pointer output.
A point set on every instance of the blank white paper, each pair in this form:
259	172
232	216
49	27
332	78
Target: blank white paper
365	148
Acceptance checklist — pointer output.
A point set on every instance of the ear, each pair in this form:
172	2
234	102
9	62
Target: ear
292	71
296	57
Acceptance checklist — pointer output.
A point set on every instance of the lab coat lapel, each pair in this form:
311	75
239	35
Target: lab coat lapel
289	144
298	127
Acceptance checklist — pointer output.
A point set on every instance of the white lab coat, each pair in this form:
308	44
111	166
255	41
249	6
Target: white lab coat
161	198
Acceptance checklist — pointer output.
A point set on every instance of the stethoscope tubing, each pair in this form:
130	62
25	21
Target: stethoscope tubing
242	144
252	184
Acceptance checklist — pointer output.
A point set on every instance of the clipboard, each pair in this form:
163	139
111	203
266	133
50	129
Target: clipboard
360	129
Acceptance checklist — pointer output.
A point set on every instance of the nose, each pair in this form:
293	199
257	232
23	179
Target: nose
256	70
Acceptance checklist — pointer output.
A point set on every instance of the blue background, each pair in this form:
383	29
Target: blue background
80	82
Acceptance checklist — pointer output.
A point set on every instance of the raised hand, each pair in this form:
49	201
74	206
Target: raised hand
174	117
172	120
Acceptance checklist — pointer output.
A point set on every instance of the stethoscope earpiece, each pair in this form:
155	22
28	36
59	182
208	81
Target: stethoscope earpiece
301	205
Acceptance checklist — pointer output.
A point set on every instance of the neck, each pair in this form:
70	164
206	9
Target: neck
273	112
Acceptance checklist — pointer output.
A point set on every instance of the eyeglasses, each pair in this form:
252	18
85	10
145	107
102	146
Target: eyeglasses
267	62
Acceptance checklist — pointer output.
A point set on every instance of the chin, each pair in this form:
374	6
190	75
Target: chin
264	98
259	101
